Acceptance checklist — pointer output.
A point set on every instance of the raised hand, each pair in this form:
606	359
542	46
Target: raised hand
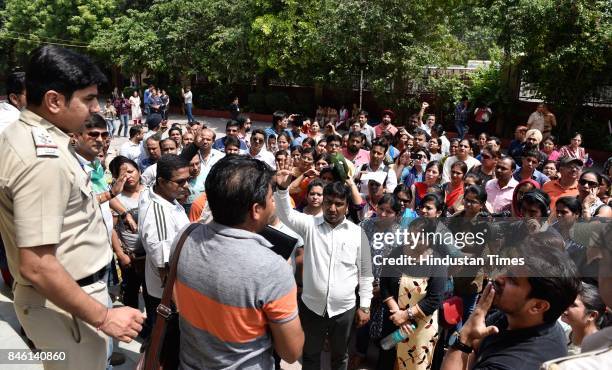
283	173
475	327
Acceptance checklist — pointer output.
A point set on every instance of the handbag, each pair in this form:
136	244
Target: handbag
163	348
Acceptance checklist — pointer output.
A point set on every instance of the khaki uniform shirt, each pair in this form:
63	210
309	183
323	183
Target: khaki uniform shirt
46	199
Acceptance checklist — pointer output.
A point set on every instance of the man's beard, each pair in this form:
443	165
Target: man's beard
353	149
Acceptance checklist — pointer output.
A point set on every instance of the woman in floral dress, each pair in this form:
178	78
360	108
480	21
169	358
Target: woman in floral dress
412	295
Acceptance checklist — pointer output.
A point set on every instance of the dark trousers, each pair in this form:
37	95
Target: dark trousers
316	328
151	304
130	286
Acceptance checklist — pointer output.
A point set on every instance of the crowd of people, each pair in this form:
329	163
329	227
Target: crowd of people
75	216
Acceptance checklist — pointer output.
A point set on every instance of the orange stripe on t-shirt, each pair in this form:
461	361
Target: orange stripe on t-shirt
227	323
282	308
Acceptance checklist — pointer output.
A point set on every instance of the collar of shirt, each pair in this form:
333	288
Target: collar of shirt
510	185
85	164
380	167
321	220
161	200
557	184
214	153
235	233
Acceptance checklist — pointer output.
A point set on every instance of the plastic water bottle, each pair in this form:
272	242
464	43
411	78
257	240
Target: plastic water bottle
394	338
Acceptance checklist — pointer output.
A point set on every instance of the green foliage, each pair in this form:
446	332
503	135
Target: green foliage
563	46
28	23
448	91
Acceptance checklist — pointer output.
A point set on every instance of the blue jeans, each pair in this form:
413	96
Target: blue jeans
188	107
123	124
110	123
461	128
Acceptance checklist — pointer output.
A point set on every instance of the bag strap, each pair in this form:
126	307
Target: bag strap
164	310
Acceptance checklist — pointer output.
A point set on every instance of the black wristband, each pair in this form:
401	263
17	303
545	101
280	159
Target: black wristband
112	195
461	346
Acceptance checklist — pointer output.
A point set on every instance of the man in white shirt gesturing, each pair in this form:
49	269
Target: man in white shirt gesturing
336	260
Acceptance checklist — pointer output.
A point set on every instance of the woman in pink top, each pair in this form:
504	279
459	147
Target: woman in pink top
574	150
549	147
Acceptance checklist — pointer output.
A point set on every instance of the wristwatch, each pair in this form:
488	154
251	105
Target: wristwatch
457	344
365	309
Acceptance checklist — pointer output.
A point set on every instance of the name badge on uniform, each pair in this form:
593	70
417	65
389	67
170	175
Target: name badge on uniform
45	146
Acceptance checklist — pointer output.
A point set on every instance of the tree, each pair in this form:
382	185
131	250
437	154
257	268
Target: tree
72	23
562	46
182	38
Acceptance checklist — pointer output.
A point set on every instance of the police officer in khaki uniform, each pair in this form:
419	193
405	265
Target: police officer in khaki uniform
56	242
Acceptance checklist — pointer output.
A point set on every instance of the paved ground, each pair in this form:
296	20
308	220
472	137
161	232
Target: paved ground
10	337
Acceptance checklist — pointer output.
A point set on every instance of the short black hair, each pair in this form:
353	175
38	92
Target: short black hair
310	150
169	163
278	116
310	141
337	189
571	203
479	191
175	128
402	188
161	142
512	162
95	121
552	139
420	132
63	70
258	131
359	134
135	130
313	183
242	119
553	276
438	129
436	199
333	137
153	138
281	153
471	175
381	143
115	165
531	153
231	140
363	113
298	121
392	201
234	185
15	83
496	139
232	123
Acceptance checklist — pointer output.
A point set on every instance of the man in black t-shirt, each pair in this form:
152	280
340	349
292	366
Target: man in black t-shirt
524	332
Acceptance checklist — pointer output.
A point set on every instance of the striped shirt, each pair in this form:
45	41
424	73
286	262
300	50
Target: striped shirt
229	287
159	222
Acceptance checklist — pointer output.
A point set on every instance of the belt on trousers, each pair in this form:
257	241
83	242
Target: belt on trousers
95	277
